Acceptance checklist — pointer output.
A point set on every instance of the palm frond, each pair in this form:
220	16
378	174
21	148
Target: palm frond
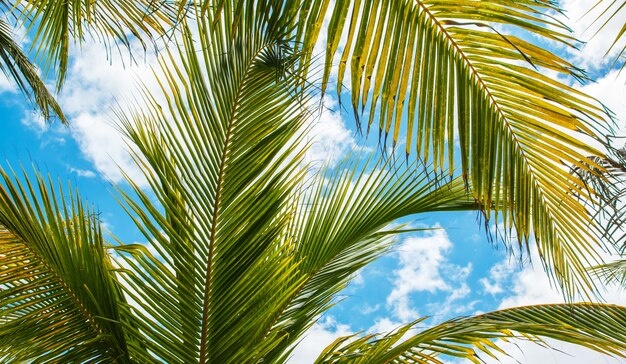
57	293
437	72
595	326
220	156
343	224
16	65
58	24
612	272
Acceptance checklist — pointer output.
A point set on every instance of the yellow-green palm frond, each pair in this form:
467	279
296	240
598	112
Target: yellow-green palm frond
58	301
16	65
438	72
56	25
595	326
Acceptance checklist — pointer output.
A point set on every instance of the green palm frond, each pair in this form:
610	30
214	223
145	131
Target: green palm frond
344	223
246	261
57	298
596	326
57	24
16	65
218	160
438	72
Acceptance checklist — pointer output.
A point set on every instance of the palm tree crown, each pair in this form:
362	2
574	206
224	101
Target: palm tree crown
246	248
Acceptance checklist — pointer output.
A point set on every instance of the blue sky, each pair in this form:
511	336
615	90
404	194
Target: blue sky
450	271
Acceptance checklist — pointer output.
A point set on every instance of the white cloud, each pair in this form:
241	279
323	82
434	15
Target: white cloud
498	276
35	121
611	91
97	83
83	172
6	85
384	325
101	143
319	336
367	309
423	264
592	54
330	139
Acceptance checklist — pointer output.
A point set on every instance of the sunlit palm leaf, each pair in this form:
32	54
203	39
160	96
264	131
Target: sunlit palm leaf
599	327
439	71
16	65
241	269
55	25
57	298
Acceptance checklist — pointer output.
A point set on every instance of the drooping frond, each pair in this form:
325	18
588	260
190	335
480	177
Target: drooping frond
57	299
437	72
18	68
595	326
58	24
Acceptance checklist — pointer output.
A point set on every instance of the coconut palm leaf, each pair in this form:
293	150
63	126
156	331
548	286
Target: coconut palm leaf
57	299
345	223
16	65
437	72
595	326
55	25
217	158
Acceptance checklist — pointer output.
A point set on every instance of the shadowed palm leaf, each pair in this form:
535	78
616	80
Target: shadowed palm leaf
57	299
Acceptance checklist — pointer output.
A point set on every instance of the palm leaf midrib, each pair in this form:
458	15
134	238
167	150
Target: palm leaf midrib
482	85
218	195
484	88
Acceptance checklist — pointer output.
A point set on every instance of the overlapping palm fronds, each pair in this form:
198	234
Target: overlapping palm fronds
57	25
469	337
610	186
244	250
435	72
17	67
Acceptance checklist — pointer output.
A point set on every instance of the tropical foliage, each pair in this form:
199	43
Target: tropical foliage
57	25
246	248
